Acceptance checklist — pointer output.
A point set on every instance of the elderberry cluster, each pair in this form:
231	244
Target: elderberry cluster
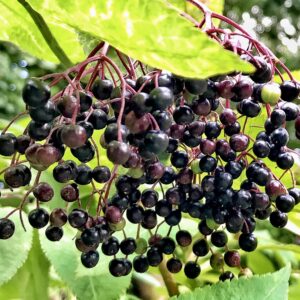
179	149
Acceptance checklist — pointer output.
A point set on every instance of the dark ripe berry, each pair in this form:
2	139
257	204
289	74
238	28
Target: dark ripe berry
275	188
285	160
65	171
262	135
289	91
149	219
77	218
280	137
295	193
168	176
226	276
247	242
278	219
179	159
269	127
117	267
223	181
212	130
118	152
23	142
163	208
243	89
195	192
201	107
135	214
183	238
278	117
98	119
232	129
196	128
38	218
228	117
35	93
208	184
234	168
149	198
146	82
84	175
160	98
274	152
111	246
156	141
43	192
85	101
121	202
38	131
190	140
7	229
239	142
58	217
297	125
84	153
291	110
123	185
204	229
200	247
8	144
140	264
102	89
128	246
195	86
192	270
140	104
173	218
90	236
155	171
249	108
90	259
101	174
111	132
263	214
84	248
172	146
183	115
263	71
234	222
285	203
17	176
54	234
185	176
154	256
73	136
207	147
261	148
167	245
67	106
207	163
113	214
89	129
261	200
232	258
219	238
174	265
225	88
163	118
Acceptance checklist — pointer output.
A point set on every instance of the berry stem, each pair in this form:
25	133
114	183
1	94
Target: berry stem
13	120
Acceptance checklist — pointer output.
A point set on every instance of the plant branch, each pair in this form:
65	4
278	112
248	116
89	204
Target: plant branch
47	34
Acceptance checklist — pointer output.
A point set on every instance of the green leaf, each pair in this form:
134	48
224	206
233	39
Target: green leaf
150	31
18	27
34	274
272	286
92	284
14	251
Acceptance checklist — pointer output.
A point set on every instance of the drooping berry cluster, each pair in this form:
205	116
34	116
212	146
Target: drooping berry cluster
184	149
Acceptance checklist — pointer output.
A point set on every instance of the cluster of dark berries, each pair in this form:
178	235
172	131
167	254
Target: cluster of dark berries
184	150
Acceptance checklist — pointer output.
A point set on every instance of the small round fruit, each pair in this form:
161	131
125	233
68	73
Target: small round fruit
90	259
54	234
192	270
7	229
38	218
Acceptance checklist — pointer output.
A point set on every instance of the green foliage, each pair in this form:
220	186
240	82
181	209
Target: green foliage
133	27
272	286
18	27
14	251
32	279
96	283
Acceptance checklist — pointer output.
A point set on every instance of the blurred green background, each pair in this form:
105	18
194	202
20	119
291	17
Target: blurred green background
277	24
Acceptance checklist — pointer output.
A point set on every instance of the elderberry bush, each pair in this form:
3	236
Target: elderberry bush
198	124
